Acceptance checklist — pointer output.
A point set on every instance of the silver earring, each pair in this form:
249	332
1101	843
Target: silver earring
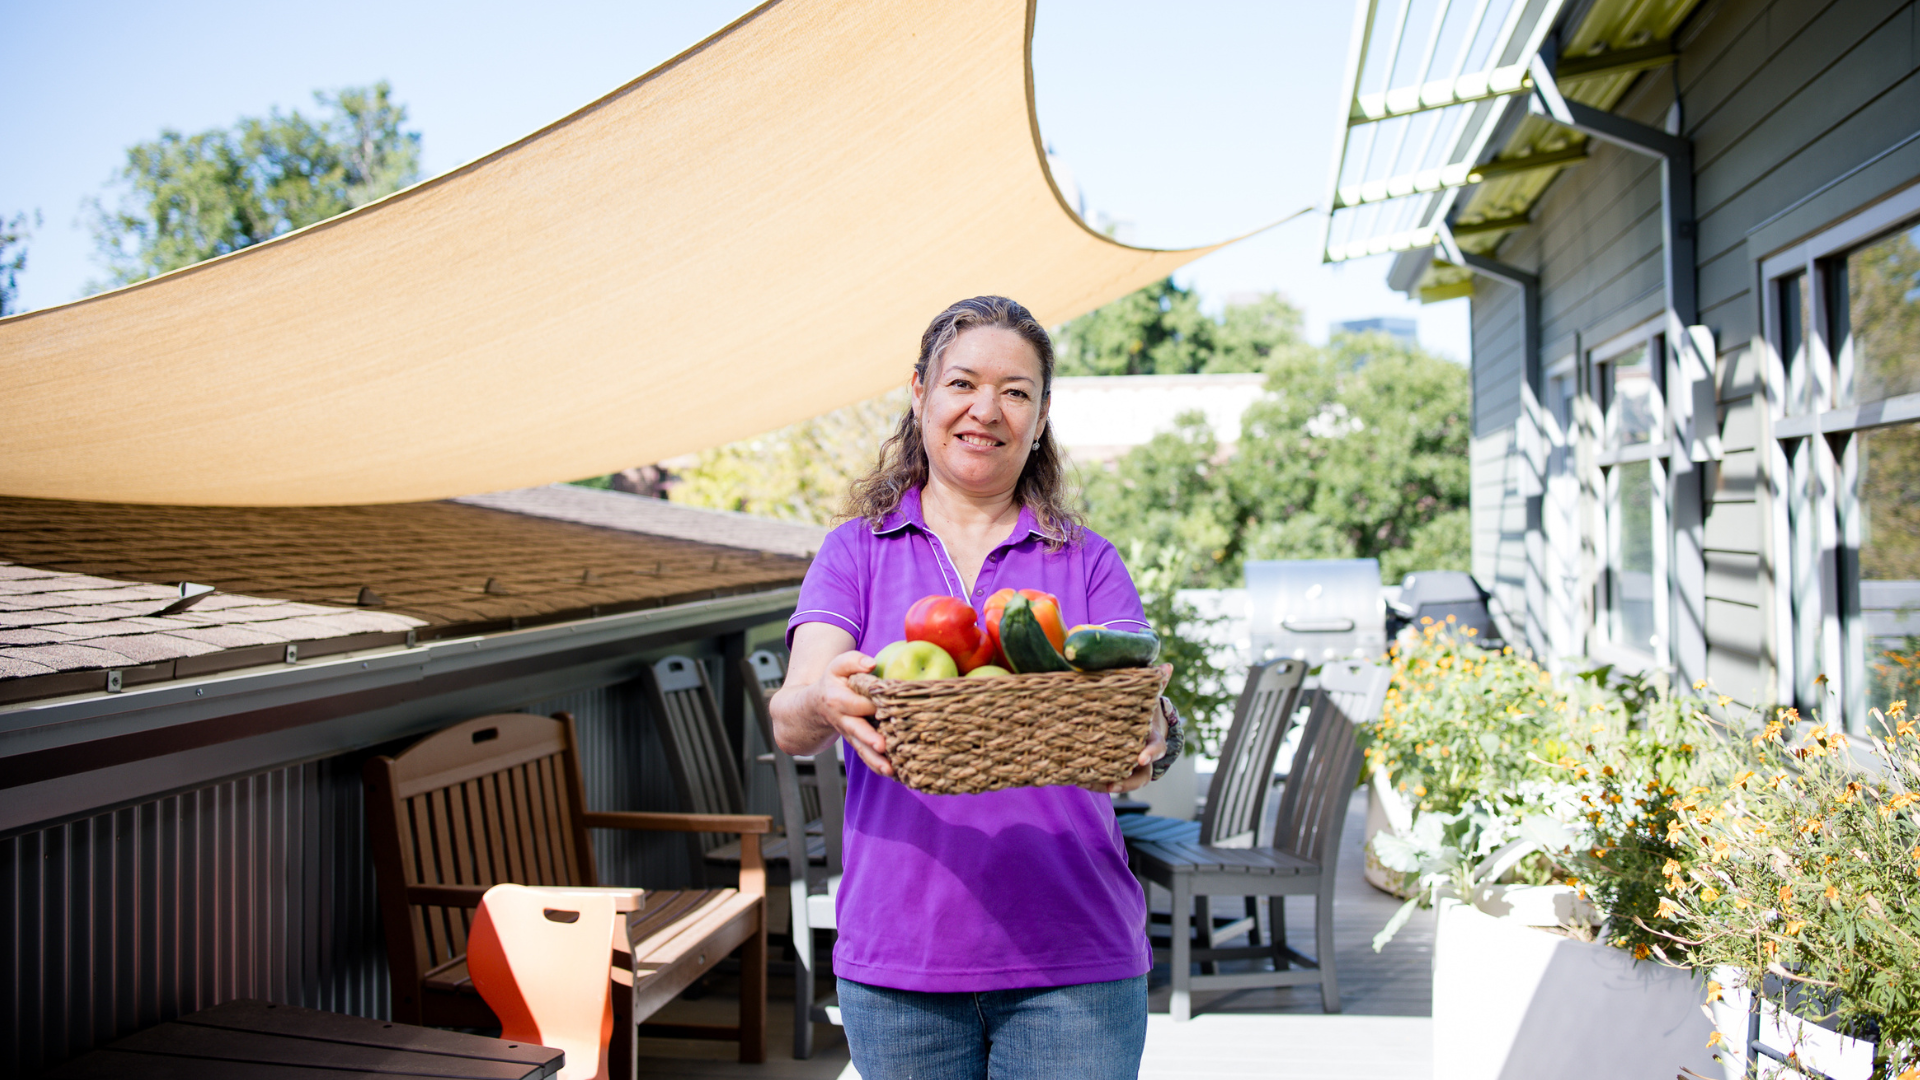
1036	444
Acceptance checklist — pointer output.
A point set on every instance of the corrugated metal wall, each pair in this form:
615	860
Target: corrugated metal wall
256	887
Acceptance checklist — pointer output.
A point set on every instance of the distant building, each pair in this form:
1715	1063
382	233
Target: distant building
1407	330
1097	418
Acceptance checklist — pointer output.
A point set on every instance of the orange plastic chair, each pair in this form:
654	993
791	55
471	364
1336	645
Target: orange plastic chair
540	958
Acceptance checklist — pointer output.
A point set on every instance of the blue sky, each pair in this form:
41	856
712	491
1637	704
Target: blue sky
1191	122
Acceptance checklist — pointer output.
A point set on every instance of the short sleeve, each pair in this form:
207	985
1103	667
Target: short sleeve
833	592
1111	598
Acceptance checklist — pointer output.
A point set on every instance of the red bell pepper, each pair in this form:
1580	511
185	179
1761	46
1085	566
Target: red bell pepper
950	623
1046	608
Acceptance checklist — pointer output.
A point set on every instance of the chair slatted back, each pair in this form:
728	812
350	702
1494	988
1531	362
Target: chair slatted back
1243	780
698	749
763	669
1313	808
767	669
484	802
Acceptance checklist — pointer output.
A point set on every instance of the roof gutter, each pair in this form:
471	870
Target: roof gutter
58	756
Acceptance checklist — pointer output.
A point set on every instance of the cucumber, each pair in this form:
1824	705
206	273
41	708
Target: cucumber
1096	648
1025	643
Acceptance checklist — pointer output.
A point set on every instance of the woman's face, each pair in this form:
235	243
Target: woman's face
983	411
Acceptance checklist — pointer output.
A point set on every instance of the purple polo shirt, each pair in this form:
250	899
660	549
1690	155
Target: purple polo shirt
1019	888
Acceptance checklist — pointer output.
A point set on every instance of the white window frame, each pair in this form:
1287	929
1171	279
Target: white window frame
1632	656
1811	485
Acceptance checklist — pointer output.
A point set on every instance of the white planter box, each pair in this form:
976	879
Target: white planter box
1835	1055
1510	1001
1387	812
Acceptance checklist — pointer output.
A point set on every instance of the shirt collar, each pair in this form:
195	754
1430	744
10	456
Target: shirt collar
909	513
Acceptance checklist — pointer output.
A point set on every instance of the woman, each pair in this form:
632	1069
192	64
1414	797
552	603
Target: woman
997	934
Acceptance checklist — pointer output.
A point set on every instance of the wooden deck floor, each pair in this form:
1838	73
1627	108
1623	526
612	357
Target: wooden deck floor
1384	1030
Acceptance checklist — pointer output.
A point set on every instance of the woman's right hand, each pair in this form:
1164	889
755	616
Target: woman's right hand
848	711
818	702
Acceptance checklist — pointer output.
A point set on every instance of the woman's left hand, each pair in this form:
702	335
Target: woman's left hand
1155	749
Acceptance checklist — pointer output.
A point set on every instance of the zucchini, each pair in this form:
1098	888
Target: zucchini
1096	648
1025	643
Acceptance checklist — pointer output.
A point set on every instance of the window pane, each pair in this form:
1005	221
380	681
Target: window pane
1630	398
1881	317
1801	384
1887	575
1803	537
1560	398
1630	614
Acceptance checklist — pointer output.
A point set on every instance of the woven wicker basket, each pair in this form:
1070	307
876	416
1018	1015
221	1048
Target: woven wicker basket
966	736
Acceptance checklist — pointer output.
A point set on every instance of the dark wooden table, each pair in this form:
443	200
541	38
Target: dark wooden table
245	1039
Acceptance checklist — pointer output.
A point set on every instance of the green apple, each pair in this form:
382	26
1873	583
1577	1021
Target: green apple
988	671
922	660
886	654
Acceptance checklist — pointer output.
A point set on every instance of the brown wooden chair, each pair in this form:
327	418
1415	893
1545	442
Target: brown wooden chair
1300	860
500	799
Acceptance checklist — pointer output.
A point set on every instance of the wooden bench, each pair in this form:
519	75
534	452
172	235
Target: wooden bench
260	1040
500	799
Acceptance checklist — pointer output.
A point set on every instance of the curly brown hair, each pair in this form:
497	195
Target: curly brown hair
902	466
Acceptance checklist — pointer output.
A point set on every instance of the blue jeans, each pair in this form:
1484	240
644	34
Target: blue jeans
1094	1031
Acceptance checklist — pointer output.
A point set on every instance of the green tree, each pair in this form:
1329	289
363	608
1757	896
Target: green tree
14	234
1358	450
186	198
801	472
1160	330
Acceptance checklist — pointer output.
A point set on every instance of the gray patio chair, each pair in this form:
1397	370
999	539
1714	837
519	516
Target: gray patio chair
701	758
1300	860
812	808
1242	785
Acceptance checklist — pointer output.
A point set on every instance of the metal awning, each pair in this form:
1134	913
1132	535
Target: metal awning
1428	85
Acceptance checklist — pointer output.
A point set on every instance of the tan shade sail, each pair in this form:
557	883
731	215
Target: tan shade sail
751	234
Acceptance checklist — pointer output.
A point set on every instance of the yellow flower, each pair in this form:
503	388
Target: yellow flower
1832	893
1793	927
1672	869
1709	894
1725	701
1668	909
1713	994
1701	685
1640	951
1786	894
1715	1039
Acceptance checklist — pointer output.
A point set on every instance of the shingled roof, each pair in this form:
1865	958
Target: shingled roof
82	584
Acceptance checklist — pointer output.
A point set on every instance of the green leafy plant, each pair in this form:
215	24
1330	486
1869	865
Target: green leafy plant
1806	867
1518	777
1199	684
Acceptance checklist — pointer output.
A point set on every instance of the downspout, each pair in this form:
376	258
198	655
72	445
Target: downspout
1689	370
1528	433
1689	391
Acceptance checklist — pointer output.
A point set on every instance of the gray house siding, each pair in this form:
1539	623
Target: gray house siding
1778	98
1781	98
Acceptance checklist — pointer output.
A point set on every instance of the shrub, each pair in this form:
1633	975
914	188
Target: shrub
1807	867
